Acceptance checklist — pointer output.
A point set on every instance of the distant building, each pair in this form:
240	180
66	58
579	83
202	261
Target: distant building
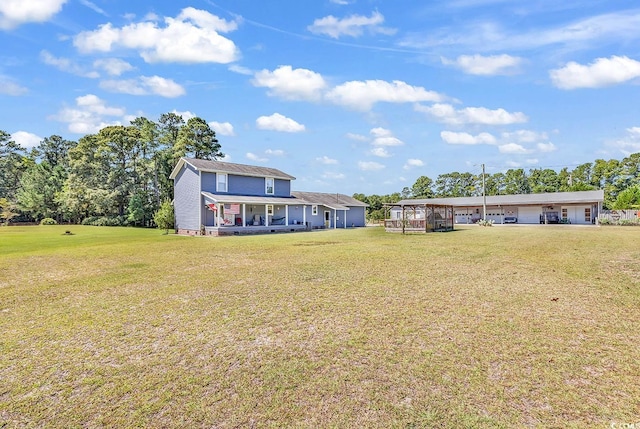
580	207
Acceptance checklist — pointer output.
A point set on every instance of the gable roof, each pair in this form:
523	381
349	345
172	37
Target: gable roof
208	166
522	199
333	201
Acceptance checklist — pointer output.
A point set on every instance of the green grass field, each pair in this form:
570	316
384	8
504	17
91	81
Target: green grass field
480	327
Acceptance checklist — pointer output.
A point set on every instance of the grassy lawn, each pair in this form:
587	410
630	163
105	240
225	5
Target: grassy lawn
481	327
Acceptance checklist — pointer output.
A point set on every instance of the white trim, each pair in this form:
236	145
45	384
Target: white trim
226	182
266	186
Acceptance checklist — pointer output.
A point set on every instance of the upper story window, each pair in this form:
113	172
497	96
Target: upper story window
269	185
221	182
314	210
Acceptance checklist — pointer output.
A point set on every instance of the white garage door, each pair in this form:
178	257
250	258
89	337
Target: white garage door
529	214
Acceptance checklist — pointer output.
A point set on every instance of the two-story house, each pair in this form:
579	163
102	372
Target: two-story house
223	198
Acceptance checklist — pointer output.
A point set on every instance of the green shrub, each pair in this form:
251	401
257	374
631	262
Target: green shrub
604	221
105	221
628	222
48	221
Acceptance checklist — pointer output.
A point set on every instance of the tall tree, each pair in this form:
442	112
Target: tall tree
198	140
422	188
13	163
516	182
543	180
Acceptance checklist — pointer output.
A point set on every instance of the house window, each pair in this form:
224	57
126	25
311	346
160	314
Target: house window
221	182
268	186
269	209
564	214
587	214
314	210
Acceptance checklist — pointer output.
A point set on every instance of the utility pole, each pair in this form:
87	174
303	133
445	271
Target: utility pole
484	197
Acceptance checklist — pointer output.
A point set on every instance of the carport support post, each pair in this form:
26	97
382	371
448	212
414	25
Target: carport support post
426	220
403	219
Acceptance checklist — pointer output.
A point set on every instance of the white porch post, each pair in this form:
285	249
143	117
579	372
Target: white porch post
286	214
266	215
304	214
217	216
244	215
335	218
345	219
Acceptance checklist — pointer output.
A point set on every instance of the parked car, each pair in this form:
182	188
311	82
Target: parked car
510	219
551	217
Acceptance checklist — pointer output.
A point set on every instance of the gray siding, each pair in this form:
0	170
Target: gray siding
187	199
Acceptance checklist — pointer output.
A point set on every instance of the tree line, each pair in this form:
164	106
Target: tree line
120	175
620	180
117	176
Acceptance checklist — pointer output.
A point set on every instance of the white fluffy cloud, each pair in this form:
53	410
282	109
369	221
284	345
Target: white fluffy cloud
291	84
370	166
256	158
602	72
16	12
191	37
381	152
413	163
113	66
145	85
26	139
630	143
357	137
353	25
66	65
278	122
546	147
466	138
486	65
471	115
89	115
222	128
326	160
384	137
9	87
362	95
274	152
513	148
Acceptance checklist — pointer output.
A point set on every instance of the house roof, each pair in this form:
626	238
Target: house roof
249	199
230	168
519	199
333	201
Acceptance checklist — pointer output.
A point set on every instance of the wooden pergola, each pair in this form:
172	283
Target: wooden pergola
420	217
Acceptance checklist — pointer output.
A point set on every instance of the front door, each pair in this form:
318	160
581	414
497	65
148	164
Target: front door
327	219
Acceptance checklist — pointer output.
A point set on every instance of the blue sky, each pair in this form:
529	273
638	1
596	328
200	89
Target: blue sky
345	95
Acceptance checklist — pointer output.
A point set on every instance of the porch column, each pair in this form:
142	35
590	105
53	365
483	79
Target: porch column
304	214
266	215
217	215
244	215
345	219
335	218
286	214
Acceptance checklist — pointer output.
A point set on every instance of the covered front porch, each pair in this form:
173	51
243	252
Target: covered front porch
239	214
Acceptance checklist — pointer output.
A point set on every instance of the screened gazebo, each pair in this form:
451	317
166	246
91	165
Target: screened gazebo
409	217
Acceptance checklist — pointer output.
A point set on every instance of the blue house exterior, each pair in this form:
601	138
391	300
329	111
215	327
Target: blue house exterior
222	198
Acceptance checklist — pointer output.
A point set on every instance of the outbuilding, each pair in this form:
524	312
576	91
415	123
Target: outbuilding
580	207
